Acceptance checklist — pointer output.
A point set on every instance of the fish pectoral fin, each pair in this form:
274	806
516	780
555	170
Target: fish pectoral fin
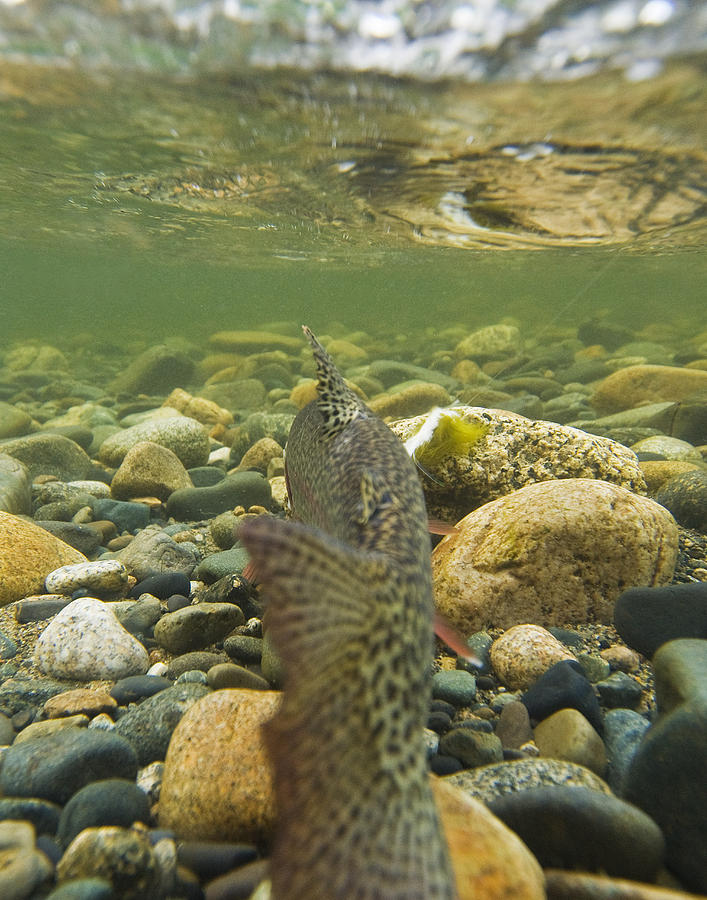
375	496
320	593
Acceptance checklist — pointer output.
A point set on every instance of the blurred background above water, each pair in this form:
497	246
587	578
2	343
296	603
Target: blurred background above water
167	165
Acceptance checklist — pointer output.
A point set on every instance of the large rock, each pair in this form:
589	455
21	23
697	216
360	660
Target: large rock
666	775
149	470
635	385
500	452
49	454
555	553
87	642
156	370
28	554
15	493
488	859
217	783
185	437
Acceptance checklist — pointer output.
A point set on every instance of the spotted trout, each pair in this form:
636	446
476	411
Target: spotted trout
348	590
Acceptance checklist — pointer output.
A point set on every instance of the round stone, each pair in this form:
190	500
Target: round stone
525	652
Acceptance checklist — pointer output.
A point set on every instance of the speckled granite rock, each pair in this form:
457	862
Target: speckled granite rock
185	437
511	452
217	782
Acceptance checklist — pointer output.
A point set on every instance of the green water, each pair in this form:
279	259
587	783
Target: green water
139	207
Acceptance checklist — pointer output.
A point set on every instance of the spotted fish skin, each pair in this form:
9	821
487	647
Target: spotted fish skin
349	593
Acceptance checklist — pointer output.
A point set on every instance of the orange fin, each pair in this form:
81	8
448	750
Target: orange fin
446	632
437	526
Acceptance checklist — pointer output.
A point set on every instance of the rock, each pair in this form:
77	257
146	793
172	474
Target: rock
122	856
410	400
577	828
258	457
85	641
153	552
685	496
563	686
525	652
669	448
624	730
149	470
27	554
229	675
217	781
138	616
389	372
185	437
54	767
472	748
162	586
621	658
15	495
23	868
488	860
137	687
156	370
41	729
113	801
149	726
646	618
491	342
196	661
41	814
454	686
198	408
255	341
665	773
511	452
49	454
79	701
244	647
226	564
488	783
239	489
105	578
690	422
619	690
83	889
20	694
633	385
14	421
197	626
567	735
513	726
83	538
552	554
658	472
561	885
129	517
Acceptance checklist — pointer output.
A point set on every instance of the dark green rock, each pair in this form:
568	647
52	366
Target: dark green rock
239	489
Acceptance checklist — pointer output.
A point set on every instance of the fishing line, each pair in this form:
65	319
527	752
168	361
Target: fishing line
574	299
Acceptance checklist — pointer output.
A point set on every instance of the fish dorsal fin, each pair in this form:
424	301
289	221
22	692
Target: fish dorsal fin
375	495
336	401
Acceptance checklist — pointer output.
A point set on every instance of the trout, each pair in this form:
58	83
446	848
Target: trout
349	611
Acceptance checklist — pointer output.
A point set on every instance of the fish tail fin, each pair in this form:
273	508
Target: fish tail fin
313	585
336	401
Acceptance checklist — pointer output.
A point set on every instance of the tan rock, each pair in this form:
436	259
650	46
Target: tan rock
303	393
259	455
562	885
567	735
28	554
205	411
633	385
410	401
50	726
659	471
217	782
148	469
554	553
524	653
488	859
80	700
346	352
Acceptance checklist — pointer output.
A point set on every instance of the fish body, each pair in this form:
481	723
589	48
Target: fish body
349	592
